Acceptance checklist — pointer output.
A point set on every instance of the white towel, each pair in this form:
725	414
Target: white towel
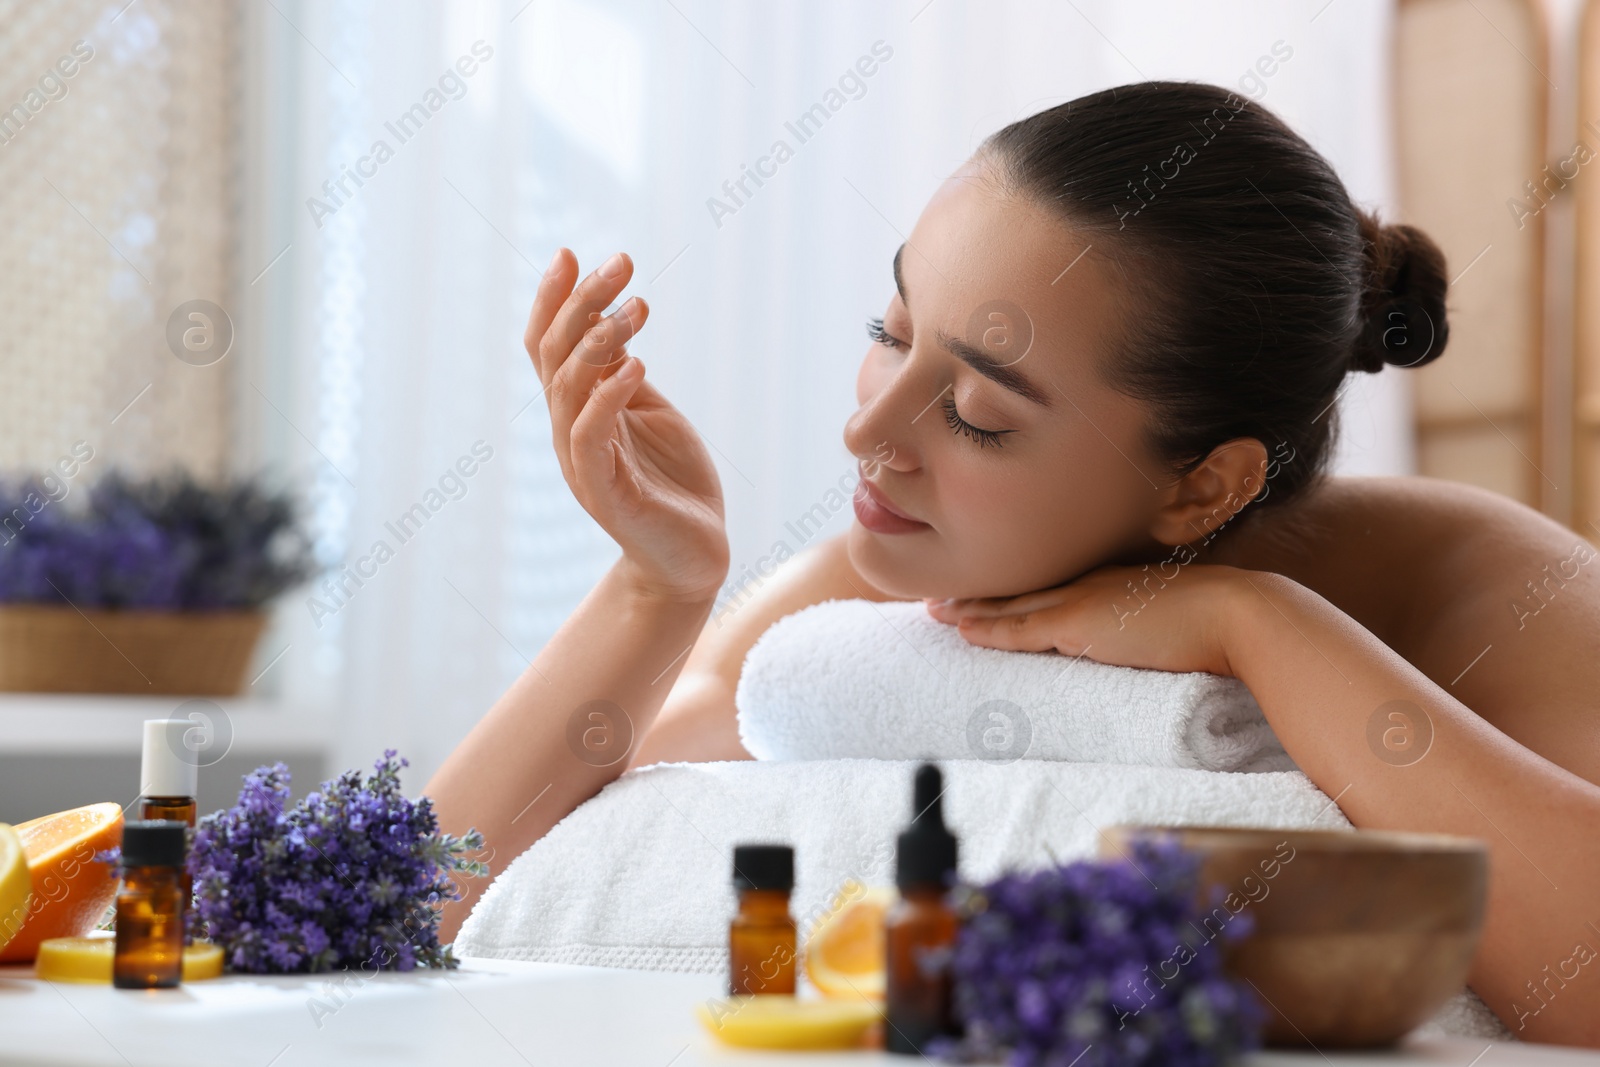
856	679
640	875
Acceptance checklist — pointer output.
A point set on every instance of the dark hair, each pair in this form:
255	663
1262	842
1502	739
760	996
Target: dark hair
1262	285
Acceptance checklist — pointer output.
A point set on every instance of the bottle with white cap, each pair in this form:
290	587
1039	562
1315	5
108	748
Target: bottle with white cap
169	775
168	772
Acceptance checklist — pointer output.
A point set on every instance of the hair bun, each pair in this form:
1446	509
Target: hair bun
1405	321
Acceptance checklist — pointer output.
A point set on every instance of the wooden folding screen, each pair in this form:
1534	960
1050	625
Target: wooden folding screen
1471	99
1586	359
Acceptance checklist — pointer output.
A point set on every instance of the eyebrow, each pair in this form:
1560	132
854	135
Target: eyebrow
1004	374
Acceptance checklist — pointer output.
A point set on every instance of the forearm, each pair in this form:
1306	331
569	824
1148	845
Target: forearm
564	728
1320	678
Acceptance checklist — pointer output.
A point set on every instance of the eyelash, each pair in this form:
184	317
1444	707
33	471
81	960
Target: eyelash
876	331
957	424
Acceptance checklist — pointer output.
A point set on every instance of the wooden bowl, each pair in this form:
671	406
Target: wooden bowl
1360	936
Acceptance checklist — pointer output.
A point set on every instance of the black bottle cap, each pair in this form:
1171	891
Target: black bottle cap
153	843
925	853
763	867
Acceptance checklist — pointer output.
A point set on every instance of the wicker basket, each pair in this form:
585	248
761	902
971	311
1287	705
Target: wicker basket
51	648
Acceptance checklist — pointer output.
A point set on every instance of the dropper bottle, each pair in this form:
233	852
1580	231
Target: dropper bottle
920	928
761	937
149	948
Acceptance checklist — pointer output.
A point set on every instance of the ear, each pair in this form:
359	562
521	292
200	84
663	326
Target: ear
1196	505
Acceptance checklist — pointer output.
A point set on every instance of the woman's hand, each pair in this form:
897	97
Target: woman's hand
1129	616
631	458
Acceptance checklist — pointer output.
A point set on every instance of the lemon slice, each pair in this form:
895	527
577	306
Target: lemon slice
782	1021
16	884
202	960
88	959
845	950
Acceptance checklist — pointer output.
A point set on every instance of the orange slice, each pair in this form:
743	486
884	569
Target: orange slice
88	959
15	885
845	949
70	890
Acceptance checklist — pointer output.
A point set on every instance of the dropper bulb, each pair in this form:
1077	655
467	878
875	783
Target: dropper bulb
926	791
925	852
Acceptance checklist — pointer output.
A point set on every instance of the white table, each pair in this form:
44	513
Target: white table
486	1014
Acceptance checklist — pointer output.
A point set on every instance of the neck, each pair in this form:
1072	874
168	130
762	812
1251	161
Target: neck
1266	537
1237	543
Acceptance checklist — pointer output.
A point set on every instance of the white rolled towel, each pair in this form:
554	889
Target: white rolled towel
858	679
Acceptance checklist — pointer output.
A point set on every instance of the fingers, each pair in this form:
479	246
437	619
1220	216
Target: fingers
989	607
966	608
594	444
1017	633
596	356
580	311
598	349
1062	629
553	289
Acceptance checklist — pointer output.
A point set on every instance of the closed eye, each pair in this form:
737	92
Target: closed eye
984	438
881	336
952	417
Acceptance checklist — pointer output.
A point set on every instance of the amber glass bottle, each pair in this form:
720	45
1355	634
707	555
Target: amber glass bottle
174	809
761	938
149	950
168	777
168	809
920	928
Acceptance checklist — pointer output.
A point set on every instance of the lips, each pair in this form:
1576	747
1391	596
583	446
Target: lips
875	513
883	502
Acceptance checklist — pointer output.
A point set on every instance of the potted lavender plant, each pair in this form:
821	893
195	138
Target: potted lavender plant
152	585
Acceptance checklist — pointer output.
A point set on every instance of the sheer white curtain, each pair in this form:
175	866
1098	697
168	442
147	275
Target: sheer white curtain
388	335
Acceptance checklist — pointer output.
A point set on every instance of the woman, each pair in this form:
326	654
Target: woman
1094	418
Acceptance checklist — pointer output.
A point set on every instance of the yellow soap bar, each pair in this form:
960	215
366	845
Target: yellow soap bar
202	960
781	1021
88	959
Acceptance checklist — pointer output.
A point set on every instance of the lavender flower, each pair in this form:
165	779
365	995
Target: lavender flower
159	543
1099	964
351	876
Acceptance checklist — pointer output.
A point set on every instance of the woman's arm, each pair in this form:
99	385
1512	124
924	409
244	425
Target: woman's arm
1320	679
565	728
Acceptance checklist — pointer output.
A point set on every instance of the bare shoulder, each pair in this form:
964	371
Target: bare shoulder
1496	602
820	572
1454	539
1431	537
698	720
1409	498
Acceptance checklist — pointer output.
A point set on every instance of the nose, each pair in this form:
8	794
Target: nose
883	429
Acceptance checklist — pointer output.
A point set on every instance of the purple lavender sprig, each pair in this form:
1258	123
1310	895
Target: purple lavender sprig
1100	964
351	876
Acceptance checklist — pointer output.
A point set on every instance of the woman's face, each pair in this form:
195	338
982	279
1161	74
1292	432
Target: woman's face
999	322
